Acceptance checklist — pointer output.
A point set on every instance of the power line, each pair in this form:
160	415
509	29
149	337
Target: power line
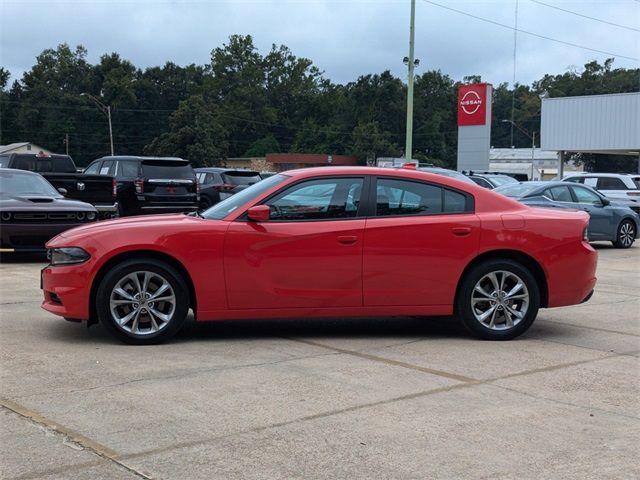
493	22
586	16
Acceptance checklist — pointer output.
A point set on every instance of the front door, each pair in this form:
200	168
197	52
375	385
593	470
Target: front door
308	255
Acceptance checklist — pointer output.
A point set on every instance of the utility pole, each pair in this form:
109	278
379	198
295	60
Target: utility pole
66	142
411	64
106	109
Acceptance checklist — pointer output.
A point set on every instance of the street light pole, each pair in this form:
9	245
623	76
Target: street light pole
409	139
106	109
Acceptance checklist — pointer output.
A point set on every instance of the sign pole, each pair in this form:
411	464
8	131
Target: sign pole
409	140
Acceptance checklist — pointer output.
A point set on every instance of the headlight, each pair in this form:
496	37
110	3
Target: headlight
67	256
91	216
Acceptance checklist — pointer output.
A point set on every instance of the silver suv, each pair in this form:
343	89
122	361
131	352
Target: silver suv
621	188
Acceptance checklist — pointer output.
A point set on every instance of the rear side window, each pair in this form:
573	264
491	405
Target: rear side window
167	169
559	194
4	161
636	180
128	169
611	183
401	197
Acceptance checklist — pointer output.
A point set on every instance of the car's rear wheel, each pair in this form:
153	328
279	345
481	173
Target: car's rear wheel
142	301
626	234
498	300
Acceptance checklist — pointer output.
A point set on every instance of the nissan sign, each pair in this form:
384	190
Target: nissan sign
472	104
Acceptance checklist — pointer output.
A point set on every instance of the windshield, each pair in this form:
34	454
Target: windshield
224	208
516	190
18	183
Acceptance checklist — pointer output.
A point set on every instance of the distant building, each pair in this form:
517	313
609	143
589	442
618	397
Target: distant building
537	164
23	147
287	161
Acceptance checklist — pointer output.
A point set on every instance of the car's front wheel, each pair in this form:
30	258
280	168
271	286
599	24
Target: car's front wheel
498	300
142	301
626	234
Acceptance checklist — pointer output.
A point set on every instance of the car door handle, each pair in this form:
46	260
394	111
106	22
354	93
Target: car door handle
347	239
461	231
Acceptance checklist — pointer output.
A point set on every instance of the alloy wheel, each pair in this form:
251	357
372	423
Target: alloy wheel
627	234
142	303
500	300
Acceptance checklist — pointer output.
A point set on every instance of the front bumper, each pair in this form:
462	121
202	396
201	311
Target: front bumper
66	290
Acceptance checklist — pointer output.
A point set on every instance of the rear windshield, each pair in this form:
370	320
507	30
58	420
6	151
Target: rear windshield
167	169
242	178
516	190
45	164
502	179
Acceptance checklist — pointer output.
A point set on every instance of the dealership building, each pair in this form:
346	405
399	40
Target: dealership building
604	124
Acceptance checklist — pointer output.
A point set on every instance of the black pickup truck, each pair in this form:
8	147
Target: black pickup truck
98	190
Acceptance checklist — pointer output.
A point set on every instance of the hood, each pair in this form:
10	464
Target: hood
165	222
42	203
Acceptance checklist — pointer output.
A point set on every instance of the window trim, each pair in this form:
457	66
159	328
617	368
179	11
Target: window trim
469	207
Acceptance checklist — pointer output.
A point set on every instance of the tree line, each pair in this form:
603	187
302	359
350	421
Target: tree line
246	104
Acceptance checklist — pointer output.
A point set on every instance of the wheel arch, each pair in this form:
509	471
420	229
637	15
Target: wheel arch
524	259
133	254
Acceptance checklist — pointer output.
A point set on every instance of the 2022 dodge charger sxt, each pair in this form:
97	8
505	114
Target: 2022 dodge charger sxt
333	241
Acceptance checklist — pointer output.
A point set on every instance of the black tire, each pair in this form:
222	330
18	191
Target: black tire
625	234
204	204
173	311
469	305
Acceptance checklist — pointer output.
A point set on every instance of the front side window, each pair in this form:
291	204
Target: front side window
401	197
322	199
106	166
585	196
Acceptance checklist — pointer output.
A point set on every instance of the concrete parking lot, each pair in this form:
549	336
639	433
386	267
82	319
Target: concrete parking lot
383	398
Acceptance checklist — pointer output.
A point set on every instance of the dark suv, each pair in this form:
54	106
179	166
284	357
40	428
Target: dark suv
150	184
219	183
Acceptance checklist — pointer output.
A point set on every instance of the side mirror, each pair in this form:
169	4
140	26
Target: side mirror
259	213
63	191
606	201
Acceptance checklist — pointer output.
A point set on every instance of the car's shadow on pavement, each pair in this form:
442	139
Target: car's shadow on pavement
418	327
23	258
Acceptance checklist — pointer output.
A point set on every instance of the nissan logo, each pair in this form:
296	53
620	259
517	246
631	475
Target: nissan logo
471	102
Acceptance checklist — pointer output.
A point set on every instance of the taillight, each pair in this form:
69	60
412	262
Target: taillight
585	234
198	188
114	188
225	187
633	194
139	183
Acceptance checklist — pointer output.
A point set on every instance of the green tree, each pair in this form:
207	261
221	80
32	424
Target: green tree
196	134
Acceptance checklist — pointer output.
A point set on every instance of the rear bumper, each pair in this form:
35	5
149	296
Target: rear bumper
107	210
572	278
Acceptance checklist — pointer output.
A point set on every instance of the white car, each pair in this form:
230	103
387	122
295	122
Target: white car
622	188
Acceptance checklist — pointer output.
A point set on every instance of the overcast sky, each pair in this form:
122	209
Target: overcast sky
344	38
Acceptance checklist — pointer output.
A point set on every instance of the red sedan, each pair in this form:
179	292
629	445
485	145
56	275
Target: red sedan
321	242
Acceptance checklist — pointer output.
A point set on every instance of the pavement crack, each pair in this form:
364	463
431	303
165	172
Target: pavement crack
69	435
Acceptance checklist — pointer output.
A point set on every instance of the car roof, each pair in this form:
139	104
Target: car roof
596	174
223	170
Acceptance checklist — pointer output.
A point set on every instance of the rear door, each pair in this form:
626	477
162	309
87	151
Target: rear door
308	255
418	243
